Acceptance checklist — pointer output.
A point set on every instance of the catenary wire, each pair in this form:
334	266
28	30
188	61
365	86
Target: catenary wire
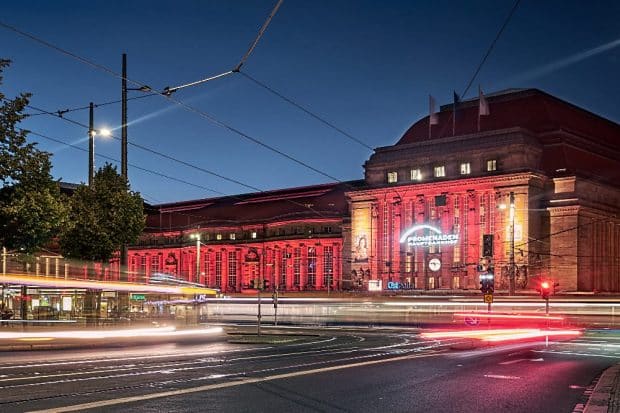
211	118
305	110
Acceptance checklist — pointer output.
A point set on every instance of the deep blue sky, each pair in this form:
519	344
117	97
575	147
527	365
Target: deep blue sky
366	66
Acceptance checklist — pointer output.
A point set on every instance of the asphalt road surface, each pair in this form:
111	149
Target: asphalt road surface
334	370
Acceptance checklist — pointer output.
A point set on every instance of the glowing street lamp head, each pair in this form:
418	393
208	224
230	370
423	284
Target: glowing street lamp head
105	132
545	284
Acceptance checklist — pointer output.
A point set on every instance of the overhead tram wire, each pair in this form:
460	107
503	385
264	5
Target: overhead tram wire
253	188
305	110
153	151
261	32
490	49
211	118
172	178
240	198
484	58
60	113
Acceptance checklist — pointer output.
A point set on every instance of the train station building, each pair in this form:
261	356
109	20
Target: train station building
522	185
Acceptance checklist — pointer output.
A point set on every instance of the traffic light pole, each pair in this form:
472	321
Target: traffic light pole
258	316
275	305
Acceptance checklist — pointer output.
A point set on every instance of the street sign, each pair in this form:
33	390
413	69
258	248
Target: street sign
488	298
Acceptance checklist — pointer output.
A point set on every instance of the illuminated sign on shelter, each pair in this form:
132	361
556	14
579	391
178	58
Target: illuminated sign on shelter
427	240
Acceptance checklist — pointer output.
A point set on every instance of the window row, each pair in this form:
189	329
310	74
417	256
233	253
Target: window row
439	171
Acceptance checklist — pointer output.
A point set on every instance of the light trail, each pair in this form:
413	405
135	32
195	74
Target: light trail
509	316
53	282
106	334
501	334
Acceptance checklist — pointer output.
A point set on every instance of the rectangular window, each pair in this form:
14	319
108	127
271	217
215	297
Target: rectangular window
440	171
297	266
491	165
207	262
218	237
154	264
408	259
328	266
232	236
312	266
483	213
416	175
283	269
143	264
392	177
218	269
232	269
253	235
465	168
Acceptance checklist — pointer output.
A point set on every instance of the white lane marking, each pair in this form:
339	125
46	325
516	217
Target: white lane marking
501	376
520	360
123	400
513	361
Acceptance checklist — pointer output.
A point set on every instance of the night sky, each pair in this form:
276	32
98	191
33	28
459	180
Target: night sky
367	67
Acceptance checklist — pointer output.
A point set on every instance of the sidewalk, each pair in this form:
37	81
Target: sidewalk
606	395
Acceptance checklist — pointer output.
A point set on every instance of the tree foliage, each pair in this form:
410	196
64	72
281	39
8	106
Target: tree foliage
31	208
102	218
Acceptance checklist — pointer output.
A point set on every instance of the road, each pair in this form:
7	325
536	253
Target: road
334	370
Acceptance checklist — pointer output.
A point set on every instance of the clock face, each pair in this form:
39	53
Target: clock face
434	264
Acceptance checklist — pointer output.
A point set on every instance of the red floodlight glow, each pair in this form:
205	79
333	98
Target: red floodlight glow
471	333
500	334
509	316
535	333
545	284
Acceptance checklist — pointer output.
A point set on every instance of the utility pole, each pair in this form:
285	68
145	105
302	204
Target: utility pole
124	118
512	245
91	144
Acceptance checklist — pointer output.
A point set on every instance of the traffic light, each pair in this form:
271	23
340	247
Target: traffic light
545	289
487	283
487	245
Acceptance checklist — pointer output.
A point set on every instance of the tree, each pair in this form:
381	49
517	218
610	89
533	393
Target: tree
31	207
102	217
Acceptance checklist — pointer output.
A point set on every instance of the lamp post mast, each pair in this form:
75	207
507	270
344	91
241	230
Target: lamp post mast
197	258
512	245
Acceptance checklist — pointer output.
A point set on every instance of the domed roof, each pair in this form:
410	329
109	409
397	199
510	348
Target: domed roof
530	109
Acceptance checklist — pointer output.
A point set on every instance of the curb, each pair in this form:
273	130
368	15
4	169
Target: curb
606	395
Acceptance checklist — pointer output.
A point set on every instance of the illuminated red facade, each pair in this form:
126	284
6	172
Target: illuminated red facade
291	238
537	175
538	178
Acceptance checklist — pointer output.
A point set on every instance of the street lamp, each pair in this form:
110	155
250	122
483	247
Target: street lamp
196	236
91	143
